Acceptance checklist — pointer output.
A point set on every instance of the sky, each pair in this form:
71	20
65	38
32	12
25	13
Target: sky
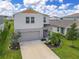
57	8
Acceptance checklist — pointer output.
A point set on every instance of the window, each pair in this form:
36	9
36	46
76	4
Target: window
27	20
44	20
45	25
62	30
61	18
58	29
32	19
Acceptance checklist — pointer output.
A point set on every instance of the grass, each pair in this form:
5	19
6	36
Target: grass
65	51
11	54
8	53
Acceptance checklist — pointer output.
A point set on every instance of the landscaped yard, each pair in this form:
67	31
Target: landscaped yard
67	52
65	46
11	54
7	52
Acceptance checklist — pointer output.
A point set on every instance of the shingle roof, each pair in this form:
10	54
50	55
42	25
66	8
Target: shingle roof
72	15
63	23
29	11
33	11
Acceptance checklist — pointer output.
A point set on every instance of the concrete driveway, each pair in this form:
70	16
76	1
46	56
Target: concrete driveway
36	50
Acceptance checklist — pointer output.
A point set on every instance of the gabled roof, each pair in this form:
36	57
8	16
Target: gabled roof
63	23
29	10
76	15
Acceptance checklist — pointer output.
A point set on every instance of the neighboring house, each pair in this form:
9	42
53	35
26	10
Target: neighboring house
54	18
2	21
62	25
71	17
32	24
2	17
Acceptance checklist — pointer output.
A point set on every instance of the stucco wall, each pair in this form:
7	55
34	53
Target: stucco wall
54	29
47	19
20	21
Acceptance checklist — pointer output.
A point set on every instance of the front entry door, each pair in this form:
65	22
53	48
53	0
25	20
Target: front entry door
45	33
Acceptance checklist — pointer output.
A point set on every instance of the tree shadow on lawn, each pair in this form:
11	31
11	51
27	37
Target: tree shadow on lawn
74	47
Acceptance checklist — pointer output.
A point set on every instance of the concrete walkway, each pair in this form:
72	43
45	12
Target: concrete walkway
36	50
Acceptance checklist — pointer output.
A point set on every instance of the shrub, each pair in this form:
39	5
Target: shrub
55	39
5	35
78	34
15	43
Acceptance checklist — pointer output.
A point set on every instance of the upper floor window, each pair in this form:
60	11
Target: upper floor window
32	19
27	19
44	20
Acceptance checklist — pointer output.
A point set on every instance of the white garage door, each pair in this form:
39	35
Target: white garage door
27	36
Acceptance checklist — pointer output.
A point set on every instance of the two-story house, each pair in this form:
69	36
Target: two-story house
31	24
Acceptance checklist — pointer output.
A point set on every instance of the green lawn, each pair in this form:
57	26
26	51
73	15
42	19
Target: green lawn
8	53
67	52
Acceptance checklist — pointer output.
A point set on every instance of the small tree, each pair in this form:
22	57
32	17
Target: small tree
78	34
15	43
72	33
55	39
5	35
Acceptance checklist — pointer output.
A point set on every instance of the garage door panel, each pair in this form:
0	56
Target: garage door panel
30	36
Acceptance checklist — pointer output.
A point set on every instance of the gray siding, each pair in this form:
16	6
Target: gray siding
1	19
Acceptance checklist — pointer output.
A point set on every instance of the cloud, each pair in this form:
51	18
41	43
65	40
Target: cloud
61	0
6	8
51	7
76	6
75	9
31	1
6	5
51	10
34	2
17	6
61	13
5	0
39	5
56	0
64	6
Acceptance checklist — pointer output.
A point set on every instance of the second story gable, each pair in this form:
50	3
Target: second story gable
30	19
